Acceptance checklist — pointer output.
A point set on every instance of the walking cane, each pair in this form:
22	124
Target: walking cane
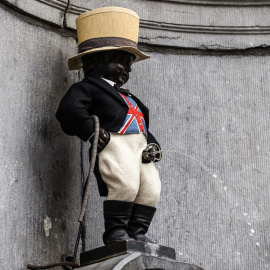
87	186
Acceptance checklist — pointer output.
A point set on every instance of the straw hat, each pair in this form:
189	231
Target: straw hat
104	29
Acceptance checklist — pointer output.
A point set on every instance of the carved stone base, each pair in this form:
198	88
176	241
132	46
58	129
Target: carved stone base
133	255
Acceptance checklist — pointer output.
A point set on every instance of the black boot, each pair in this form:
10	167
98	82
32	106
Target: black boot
139	222
116	218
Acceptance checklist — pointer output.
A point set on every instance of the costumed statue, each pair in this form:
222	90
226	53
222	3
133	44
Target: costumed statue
124	168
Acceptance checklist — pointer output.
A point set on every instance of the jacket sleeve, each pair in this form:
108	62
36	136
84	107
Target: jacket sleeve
74	112
152	139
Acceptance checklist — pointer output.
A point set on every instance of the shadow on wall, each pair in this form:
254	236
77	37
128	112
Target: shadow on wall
54	156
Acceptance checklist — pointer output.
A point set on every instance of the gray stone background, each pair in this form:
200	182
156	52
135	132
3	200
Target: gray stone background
207	87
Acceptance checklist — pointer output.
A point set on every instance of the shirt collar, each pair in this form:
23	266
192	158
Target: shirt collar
109	81
114	85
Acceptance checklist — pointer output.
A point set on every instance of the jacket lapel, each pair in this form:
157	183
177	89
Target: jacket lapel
111	90
106	86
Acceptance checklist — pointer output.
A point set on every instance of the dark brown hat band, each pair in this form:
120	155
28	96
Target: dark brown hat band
106	42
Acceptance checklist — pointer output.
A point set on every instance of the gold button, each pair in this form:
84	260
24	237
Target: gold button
137	115
132	107
140	123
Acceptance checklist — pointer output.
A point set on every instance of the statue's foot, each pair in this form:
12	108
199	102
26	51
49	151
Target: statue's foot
140	221
116	236
143	238
116	216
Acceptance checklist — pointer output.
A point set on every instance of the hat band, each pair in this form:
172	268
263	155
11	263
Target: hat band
106	42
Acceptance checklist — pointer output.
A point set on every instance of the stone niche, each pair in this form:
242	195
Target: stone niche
207	83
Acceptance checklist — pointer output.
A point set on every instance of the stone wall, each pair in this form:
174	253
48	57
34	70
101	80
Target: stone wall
207	87
40	166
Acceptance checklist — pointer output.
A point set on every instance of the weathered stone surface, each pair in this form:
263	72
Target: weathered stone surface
214	112
193	24
53	11
138	261
189	24
39	165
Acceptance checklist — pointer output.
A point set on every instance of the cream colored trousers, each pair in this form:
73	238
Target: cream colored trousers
127	178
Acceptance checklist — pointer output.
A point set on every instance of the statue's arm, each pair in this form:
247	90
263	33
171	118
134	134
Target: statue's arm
152	146
74	112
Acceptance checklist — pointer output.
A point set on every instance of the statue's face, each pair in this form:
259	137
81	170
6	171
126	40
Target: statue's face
118	68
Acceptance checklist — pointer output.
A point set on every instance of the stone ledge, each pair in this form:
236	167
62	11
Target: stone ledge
138	261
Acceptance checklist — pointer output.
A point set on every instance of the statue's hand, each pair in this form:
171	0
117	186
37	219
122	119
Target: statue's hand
103	139
149	155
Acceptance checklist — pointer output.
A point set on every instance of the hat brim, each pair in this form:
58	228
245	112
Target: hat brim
75	62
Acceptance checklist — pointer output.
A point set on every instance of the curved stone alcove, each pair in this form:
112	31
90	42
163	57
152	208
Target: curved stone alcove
201	24
209	105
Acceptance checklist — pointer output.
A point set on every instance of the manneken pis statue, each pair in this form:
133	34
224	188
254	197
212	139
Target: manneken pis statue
124	168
